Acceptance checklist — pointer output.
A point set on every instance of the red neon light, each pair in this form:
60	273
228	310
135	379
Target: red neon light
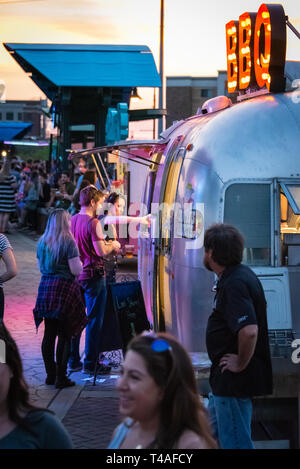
232	51
262	60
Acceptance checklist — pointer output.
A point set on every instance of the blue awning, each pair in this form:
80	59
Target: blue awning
54	65
11	130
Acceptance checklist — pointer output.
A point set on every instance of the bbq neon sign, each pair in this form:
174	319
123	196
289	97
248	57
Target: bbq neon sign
256	48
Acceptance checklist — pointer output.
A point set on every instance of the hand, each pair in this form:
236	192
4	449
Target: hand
116	245
146	220
230	362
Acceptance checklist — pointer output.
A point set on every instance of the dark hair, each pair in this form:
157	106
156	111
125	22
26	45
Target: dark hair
88	194
112	198
90	176
42	173
84	183
18	398
181	407
34	179
66	173
16	166
226	243
34	175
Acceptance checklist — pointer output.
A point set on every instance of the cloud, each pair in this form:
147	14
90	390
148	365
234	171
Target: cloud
75	29
113	18
49	30
65	21
295	21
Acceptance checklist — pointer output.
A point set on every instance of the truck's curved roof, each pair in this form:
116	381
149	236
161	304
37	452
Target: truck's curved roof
259	137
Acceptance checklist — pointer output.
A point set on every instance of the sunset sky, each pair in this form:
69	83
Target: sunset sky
194	32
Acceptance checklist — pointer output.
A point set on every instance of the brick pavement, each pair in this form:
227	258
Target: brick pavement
20	294
93	417
90	413
92	433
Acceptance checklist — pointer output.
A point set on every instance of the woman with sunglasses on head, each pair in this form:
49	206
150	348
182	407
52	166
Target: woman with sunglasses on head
159	398
60	300
22	425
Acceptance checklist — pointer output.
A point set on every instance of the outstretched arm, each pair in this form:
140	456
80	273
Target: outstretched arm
123	219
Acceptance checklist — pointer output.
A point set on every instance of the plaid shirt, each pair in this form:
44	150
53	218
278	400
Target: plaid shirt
62	299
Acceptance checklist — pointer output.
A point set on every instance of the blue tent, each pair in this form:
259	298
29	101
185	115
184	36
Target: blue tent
13	130
70	65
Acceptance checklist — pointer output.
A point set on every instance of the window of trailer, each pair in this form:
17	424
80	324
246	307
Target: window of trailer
248	208
290	223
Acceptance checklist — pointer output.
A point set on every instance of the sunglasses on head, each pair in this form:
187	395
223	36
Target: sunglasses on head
160	345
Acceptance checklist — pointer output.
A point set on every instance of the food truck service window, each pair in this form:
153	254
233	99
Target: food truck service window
248	208
292	193
290	223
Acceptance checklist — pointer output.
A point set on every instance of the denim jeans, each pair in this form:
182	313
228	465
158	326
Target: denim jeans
1	304
230	419
95	298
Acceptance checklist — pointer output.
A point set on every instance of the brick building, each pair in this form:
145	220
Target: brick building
186	94
26	111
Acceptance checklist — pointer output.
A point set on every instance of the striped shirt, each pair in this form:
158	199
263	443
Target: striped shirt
4	244
7	194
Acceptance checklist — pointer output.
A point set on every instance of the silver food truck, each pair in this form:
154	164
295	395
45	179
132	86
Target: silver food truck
238	164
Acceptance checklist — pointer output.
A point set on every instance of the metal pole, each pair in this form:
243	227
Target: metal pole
104	169
98	171
161	122
50	153
154	107
292	28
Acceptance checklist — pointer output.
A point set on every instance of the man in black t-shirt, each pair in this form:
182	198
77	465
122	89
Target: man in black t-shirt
236	339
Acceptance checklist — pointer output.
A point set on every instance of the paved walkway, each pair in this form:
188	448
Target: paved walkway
20	295
90	413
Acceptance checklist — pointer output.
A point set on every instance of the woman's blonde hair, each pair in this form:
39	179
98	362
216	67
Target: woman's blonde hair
57	234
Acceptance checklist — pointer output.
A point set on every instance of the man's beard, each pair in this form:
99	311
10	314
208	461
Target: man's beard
207	265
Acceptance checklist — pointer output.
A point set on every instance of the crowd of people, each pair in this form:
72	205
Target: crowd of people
30	189
158	393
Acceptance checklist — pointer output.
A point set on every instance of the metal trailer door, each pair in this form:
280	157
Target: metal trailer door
166	230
